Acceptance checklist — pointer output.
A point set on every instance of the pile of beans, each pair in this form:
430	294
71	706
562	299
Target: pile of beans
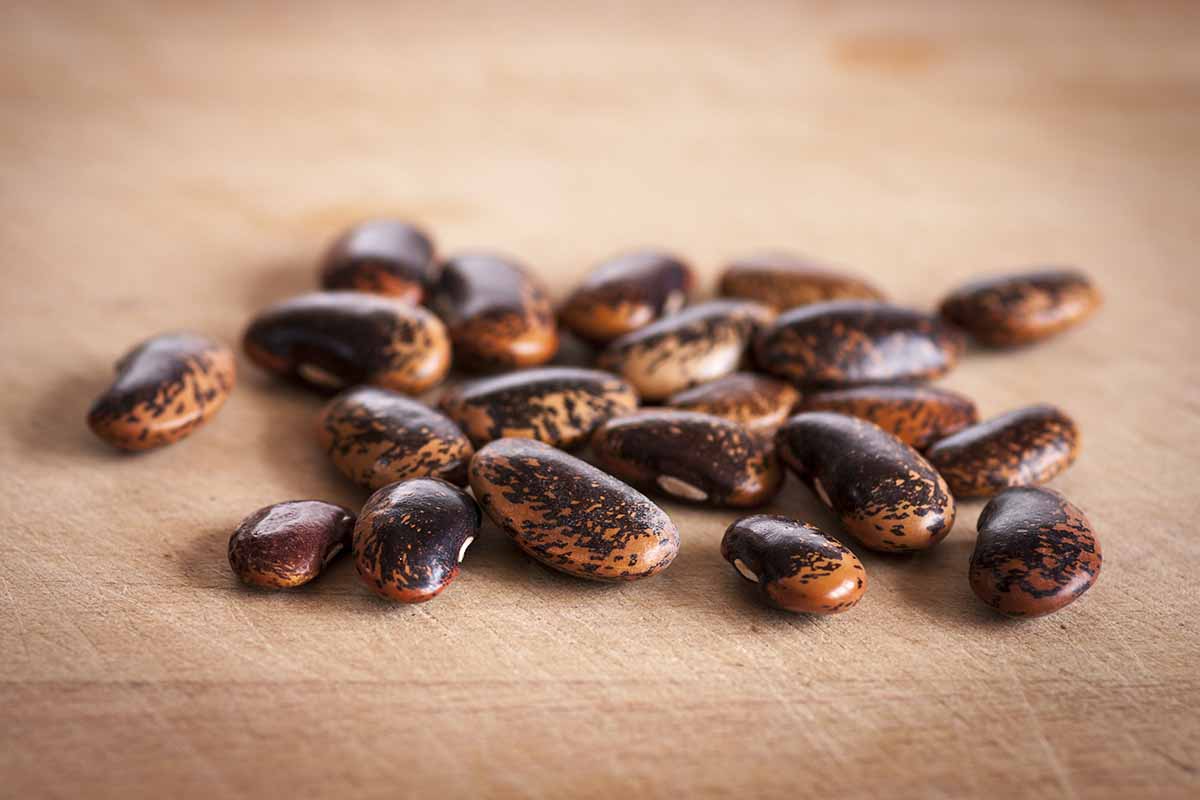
794	368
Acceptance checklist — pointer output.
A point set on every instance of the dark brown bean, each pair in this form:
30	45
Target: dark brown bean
165	388
288	544
854	342
689	456
1035	553
499	316
376	437
1025	447
411	537
1019	309
330	340
560	406
381	256
916	415
626	293
758	403
796	566
569	515
697	345
885	494
784	281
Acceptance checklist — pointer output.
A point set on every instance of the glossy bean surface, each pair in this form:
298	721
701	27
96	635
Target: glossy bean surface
165	388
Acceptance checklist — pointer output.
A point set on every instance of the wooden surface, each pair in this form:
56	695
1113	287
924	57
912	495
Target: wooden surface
164	167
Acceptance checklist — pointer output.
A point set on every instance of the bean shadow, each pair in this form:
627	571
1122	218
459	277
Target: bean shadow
573	351
935	581
288	449
203	561
746	597
57	422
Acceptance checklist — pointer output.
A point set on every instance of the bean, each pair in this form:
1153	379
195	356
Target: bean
1025	447
557	405
855	342
382	256
411	537
330	340
569	515
796	566
1023	308
499	317
376	437
916	415
165	388
885	494
783	281
626	293
1036	552
697	345
286	545
689	456
758	403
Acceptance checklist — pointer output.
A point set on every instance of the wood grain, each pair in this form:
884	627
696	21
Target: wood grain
166	166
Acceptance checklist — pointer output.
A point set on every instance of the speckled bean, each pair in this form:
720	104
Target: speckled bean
165	388
382	256
1025	447
412	536
1022	308
885	494
330	340
758	403
569	515
688	456
697	345
498	315
626	293
560	406
796	565
783	281
855	342
377	436
1036	552
916	415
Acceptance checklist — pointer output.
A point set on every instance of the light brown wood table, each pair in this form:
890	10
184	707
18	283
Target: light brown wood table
168	166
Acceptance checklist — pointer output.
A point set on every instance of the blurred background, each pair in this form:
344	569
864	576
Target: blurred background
175	165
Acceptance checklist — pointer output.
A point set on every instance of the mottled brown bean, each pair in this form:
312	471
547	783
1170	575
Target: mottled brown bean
1025	447
784	281
1019	309
853	342
412	536
885	494
165	389
288	544
377	436
797	566
758	403
382	256
330	340
626	293
916	415
1036	552
560	406
689	456
697	345
498	315
569	515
